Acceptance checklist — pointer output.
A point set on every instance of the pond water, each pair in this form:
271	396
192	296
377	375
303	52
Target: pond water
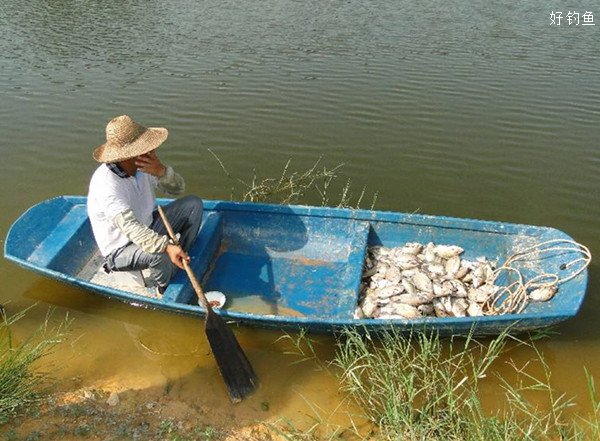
468	109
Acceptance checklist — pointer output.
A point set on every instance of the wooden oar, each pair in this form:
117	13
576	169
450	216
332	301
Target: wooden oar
235	368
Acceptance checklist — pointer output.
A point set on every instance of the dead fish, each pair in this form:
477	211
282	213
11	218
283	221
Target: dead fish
436	269
384	251
447	302
452	265
490	275
379	283
369	307
461	273
483	293
413	299
447	251
468	277
542	294
386	312
459	307
490	288
468	264
422	282
407	311
439	308
384	301
448	288
429	252
358	313
370	292
426	309
413	248
389	291
474	309
443	290
438	289
409	287
487	272
382	267
476	295
407	274
406	261
393	274
443	306
479	277
459	288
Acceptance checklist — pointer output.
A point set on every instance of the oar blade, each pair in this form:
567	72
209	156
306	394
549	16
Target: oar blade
236	370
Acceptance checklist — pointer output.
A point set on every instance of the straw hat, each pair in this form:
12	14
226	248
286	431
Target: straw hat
127	139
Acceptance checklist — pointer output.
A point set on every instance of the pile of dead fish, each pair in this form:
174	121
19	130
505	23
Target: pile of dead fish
417	280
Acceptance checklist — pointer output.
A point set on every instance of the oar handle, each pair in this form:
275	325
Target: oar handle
186	265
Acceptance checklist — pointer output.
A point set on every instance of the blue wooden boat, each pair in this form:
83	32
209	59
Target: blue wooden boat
290	267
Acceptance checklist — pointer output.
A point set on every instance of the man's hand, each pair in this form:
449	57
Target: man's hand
149	163
177	255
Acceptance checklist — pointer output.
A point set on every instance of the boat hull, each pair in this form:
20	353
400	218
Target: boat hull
292	267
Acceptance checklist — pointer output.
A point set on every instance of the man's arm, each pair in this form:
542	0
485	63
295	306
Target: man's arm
147	239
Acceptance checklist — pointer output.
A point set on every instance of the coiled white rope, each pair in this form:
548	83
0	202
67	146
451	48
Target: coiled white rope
514	297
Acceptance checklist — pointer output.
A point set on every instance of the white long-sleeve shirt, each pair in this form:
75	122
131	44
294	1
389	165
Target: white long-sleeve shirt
120	208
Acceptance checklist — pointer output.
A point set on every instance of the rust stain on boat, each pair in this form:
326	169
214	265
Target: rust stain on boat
311	262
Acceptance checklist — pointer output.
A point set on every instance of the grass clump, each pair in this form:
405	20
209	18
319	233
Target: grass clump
421	387
413	389
317	183
21	382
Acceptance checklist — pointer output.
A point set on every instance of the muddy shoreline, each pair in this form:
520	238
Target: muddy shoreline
109	414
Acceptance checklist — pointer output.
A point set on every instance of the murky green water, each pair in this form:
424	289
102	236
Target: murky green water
469	109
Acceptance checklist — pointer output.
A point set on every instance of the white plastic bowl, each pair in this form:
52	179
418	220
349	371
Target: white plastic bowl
215	296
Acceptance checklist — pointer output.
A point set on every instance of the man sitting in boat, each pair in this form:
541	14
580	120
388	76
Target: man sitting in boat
122	207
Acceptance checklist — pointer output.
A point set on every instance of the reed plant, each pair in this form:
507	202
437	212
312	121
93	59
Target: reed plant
22	381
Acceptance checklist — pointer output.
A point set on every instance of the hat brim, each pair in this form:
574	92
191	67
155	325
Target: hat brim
149	140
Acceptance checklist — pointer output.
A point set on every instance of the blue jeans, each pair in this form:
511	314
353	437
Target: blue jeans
185	216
